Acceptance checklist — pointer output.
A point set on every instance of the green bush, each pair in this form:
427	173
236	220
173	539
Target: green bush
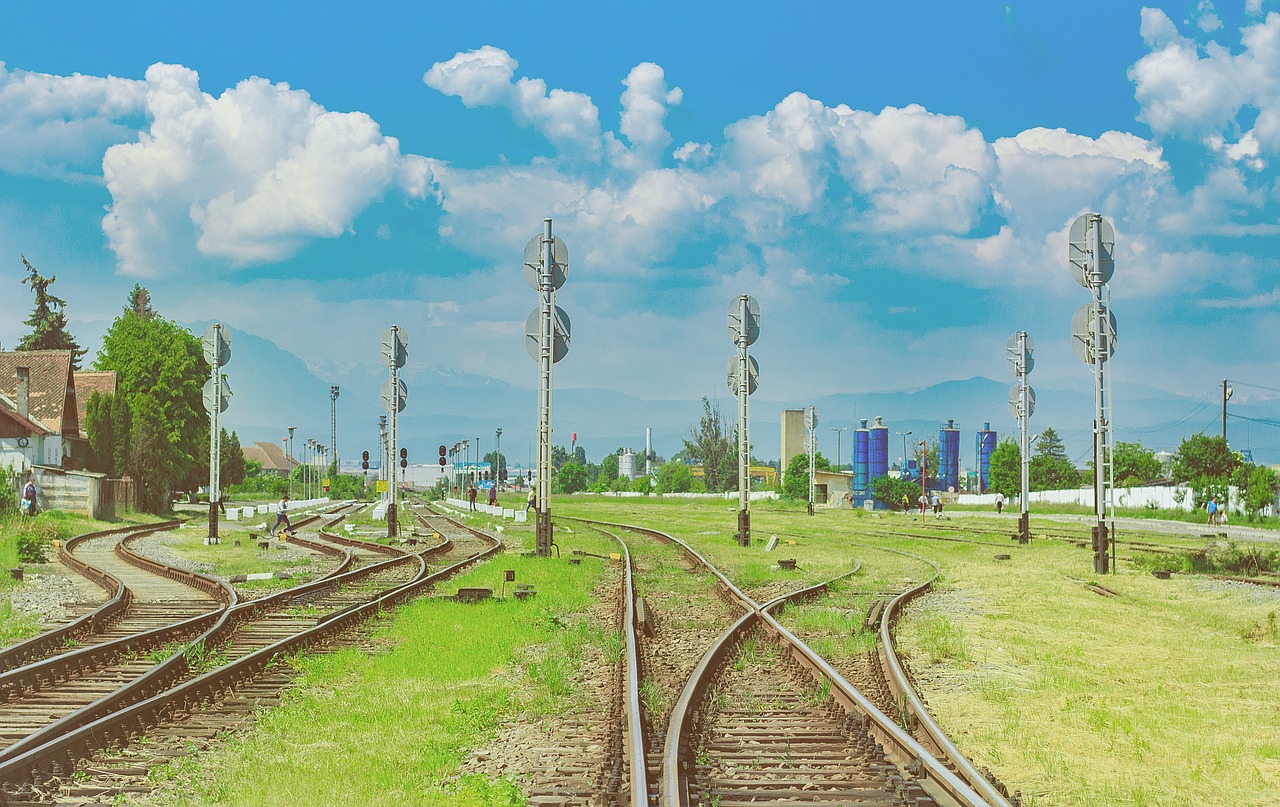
33	540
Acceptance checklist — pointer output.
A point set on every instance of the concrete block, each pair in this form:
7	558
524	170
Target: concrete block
521	516
507	512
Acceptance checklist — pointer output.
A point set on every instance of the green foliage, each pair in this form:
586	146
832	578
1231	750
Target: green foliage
1134	465
571	478
1260	490
498	462
642	484
890	489
795	484
929	456
122	435
1051	473
153	461
33	537
713	445
559	456
48	319
609	468
232	458
1051	445
674	477
1202	457
1006	468
160	371
8	491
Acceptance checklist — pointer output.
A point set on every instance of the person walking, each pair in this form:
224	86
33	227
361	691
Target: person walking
532	499
29	496
493	496
1212	507
999	503
906	503
471	494
282	516
936	501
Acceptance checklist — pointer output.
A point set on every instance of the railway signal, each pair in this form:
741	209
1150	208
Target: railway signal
1091	260
217	396
743	377
547	332
395	352
404	458
443	452
364	460
1022	403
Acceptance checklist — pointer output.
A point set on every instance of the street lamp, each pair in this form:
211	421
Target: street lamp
289	463
924	458
497	460
838	431
903	469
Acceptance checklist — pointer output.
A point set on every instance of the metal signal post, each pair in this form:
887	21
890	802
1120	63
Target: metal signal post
1091	252
1022	404
743	377
547	333
217	394
394	398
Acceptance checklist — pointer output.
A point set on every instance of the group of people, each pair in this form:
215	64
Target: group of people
1217	511
472	492
933	502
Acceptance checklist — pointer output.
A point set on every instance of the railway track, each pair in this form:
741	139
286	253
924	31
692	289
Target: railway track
223	675
761	719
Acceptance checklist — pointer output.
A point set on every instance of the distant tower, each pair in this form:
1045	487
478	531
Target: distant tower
984	445
861	447
949	456
878	449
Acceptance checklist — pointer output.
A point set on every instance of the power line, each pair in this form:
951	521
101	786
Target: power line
1263	421
1253	386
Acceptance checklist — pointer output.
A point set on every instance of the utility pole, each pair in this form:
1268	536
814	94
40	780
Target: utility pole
1226	396
333	425
743	377
839	434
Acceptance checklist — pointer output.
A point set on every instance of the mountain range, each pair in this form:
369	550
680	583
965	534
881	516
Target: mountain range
274	389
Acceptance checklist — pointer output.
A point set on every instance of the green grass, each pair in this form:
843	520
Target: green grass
393	729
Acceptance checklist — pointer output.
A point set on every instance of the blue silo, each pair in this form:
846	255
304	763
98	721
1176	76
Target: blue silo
878	450
949	456
861	469
984	445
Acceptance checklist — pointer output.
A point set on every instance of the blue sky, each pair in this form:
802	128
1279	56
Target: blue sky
893	183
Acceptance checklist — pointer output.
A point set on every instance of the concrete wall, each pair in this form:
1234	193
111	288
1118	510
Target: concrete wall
792	436
72	491
1165	498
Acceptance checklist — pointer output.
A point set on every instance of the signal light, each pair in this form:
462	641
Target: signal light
442	451
442	462
404	453
404	463
364	460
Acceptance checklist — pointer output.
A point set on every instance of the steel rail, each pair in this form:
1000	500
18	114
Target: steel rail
95	621
637	758
131	714
899	745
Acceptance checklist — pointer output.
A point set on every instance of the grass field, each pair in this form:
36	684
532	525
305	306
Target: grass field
1163	695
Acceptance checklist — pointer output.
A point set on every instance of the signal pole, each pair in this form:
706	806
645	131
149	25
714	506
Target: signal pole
333	426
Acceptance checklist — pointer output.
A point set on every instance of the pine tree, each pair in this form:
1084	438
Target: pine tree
48	319
140	302
98	425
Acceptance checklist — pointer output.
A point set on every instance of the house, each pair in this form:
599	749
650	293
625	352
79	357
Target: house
39	412
271	457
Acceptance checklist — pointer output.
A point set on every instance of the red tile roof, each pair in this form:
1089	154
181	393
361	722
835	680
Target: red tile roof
52	397
271	455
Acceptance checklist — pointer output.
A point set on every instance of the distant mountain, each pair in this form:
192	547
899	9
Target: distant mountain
274	389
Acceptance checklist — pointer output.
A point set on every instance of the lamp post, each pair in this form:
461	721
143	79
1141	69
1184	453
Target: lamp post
838	435
924	459
903	469
292	429
497	459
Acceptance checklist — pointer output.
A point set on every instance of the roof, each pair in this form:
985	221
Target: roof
14	425
52	397
271	455
86	385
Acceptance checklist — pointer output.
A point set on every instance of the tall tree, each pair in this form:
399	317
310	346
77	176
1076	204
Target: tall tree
1201	456
157	360
795	484
713	445
121	434
1050	469
1006	469
98	425
1134	465
48	319
609	467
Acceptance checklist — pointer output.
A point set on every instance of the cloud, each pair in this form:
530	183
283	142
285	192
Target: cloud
644	107
248	177
483	77
1197	91
1267	300
58	126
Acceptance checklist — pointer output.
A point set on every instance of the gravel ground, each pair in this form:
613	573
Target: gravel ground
46	592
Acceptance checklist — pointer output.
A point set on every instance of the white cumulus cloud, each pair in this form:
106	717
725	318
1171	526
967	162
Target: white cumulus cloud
58	126
248	176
